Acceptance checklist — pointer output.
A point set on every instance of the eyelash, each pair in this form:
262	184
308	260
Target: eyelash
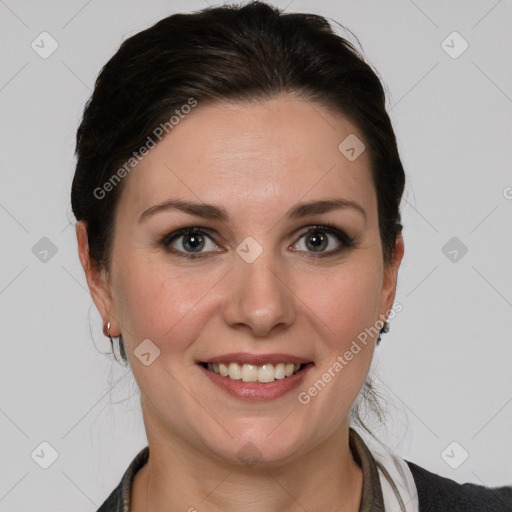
346	241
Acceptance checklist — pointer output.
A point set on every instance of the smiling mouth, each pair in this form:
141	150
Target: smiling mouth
263	374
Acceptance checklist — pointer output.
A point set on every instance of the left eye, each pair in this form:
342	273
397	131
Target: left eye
317	240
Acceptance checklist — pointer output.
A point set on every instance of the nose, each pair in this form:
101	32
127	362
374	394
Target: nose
259	299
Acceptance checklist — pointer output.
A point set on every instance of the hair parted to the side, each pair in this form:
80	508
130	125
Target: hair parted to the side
230	53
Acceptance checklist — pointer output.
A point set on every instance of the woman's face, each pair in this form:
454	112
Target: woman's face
255	287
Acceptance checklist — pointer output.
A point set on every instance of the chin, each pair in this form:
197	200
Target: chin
262	446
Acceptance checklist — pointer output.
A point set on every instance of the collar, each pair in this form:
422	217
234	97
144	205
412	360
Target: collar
372	499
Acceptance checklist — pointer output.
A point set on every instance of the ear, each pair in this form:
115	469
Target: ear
390	278
97	280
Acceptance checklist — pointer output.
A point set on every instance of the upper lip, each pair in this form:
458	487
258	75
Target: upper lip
256	359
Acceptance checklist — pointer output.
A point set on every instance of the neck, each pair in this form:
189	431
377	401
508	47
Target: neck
179	477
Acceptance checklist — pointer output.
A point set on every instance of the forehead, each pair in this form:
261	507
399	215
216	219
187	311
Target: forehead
265	154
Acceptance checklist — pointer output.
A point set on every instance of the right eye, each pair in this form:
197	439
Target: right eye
193	239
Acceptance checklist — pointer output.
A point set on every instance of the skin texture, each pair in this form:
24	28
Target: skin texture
256	160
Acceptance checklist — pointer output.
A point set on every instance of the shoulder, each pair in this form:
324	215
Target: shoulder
439	494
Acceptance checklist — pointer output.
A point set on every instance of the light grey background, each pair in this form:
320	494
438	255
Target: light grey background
445	365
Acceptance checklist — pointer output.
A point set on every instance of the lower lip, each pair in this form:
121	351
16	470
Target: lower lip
257	391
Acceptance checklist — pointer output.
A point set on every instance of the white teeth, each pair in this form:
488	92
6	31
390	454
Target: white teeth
279	371
235	371
266	373
254	373
249	373
288	369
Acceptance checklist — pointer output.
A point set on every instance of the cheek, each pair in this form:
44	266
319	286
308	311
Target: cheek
158	302
348	309
347	301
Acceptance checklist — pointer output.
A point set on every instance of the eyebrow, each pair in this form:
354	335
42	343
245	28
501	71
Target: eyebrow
210	211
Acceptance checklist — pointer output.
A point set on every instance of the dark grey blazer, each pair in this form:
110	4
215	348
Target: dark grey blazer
439	494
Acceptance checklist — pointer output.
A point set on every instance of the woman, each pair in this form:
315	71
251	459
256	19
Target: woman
237	193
